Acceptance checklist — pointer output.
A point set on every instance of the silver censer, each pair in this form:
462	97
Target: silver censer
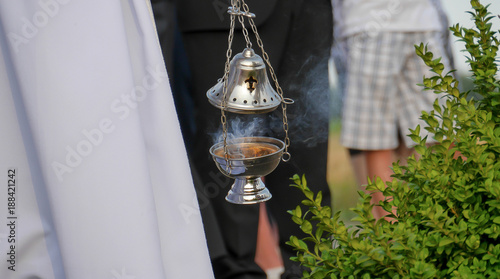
245	89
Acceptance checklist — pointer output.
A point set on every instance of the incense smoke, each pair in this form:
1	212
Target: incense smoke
242	126
309	116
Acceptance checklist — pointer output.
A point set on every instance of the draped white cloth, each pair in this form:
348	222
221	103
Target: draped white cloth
90	135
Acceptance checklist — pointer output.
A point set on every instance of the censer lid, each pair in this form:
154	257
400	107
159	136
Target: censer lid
248	88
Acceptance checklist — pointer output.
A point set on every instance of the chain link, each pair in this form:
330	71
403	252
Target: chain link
244	30
229	53
235	9
286	155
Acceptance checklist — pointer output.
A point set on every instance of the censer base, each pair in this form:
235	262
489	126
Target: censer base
248	160
248	191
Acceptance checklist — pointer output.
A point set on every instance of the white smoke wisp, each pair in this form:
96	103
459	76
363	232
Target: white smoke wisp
309	116
242	127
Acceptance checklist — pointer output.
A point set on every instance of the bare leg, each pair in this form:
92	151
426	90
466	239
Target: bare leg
358	165
267	254
378	163
403	152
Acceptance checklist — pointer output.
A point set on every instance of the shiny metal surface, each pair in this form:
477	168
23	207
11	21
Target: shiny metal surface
248	87
248	191
250	158
238	12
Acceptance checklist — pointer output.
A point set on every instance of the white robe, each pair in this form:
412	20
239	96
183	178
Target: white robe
90	135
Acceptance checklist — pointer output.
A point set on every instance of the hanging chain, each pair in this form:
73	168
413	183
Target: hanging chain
240	8
285	101
244	30
229	52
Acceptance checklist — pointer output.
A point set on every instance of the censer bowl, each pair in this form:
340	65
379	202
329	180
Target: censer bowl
248	160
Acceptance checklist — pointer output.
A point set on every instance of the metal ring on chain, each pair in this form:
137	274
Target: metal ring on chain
288	101
238	12
286	156
245	31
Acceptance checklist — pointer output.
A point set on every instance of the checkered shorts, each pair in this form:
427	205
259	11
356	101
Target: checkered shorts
379	78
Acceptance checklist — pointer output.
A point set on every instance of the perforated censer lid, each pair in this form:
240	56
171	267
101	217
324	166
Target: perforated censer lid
248	88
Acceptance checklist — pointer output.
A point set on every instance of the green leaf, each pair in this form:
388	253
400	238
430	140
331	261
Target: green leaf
437	106
319	198
298	211
473	242
355	244
306	227
371	187
308	203
397	246
319	233
362	259
303	245
294	241
420	149
309	194
304	181
380	184
397	257
297	220
445	241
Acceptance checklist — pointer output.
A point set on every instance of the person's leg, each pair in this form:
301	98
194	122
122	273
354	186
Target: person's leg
370	111
267	254
378	164
403	152
357	158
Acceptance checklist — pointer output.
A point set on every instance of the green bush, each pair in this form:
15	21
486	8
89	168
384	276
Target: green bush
447	221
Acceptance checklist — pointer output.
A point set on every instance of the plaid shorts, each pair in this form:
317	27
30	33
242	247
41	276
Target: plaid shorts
381	98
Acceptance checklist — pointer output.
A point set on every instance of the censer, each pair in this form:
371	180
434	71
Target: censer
245	89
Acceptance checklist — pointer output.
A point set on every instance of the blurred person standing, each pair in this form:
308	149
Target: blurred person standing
379	72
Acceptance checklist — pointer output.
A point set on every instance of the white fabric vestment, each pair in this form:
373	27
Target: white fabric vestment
94	174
